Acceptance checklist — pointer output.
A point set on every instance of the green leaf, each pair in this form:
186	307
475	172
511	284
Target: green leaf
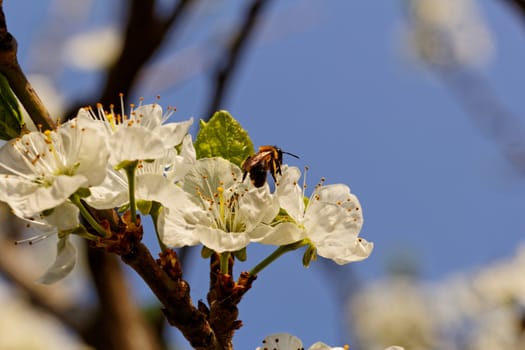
11	121
223	137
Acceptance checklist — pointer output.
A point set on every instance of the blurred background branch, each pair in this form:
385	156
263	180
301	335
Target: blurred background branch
230	61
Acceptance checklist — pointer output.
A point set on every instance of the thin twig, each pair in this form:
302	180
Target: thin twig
226	68
519	5
487	112
144	34
18	82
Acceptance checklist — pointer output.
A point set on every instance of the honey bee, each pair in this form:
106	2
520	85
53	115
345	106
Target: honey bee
269	158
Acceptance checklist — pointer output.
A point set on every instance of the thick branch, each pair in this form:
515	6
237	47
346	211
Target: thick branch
174	294
226	68
223	297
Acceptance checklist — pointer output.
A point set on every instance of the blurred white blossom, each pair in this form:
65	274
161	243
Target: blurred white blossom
24	328
93	50
479	310
392	311
285	341
448	32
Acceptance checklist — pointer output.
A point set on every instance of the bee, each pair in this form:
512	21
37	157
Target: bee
269	158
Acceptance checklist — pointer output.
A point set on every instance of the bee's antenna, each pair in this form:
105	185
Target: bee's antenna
291	154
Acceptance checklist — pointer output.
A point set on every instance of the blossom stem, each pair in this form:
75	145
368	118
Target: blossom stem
130	169
225	257
275	255
156	207
75	199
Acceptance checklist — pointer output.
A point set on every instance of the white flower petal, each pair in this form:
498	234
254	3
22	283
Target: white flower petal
208	174
64	217
86	149
134	142
173	133
334	232
28	198
221	241
323	219
257	205
322	346
64	263
336	193
112	193
346	252
149	116
289	192
183	162
284	233
281	341
177	225
154	187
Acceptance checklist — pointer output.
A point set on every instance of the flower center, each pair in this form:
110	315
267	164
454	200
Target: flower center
223	206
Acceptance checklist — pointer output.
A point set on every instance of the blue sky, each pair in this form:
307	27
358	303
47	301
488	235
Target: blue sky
337	89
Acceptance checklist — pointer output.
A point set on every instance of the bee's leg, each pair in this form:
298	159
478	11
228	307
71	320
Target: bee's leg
274	170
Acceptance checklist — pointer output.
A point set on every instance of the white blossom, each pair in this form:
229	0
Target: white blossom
449	32
39	171
143	137
285	341
221	212
331	220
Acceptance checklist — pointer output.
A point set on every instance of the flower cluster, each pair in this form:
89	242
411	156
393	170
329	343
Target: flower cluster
101	160
285	341
478	309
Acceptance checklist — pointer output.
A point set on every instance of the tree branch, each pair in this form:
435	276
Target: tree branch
488	113
226	68
121	326
165	280
144	34
18	82
518	5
